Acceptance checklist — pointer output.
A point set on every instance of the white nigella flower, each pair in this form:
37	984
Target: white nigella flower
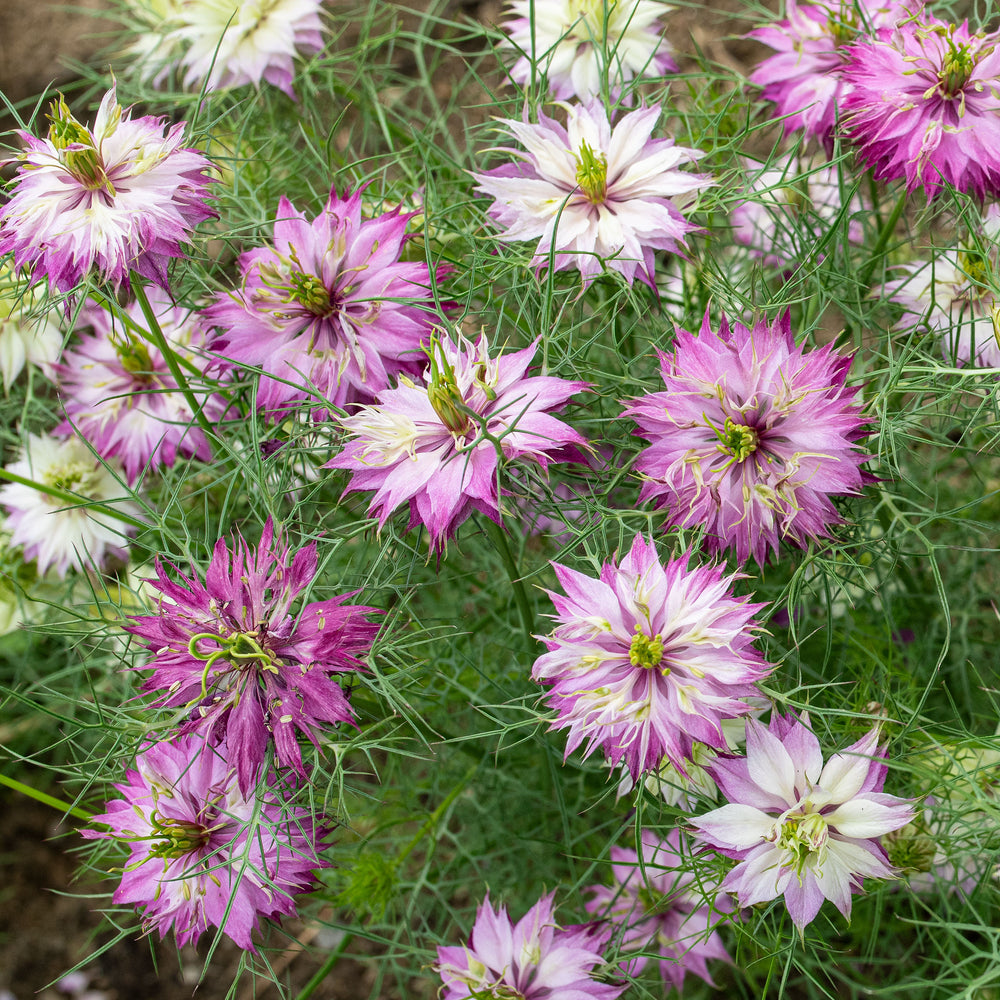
24	338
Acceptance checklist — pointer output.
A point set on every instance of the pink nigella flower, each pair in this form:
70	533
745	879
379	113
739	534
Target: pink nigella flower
600	195
121	197
805	77
649	658
799	828
579	44
750	437
534	959
203	853
925	106
657	907
249	669
119	394
437	444
329	307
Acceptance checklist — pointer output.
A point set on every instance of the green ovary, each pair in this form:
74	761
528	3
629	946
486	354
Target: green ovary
802	835
592	173
737	440
176	837
644	651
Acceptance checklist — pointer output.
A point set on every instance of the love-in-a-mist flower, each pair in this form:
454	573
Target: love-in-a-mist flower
805	76
118	391
924	106
577	44
52	530
657	904
800	828
649	659
534	959
328	307
202	852
250	669
28	336
751	437
102	202
594	196
436	444
218	44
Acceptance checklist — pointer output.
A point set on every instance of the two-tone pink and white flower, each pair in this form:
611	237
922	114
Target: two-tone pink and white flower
327	309
102	202
578	44
750	437
656	905
533	959
251	670
436	444
119	393
649	659
801	828
595	196
201	852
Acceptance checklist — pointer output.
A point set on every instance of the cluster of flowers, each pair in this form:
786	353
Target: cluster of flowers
750	437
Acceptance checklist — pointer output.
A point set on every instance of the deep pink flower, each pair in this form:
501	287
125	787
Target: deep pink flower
202	853
328	308
657	907
925	106
121	197
649	658
534	959
437	444
799	828
119	394
250	669
805	76
750	437
594	195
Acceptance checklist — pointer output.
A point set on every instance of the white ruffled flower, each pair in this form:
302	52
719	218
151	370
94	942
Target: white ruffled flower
25	338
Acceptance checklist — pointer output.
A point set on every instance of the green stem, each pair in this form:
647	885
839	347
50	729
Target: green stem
499	539
49	800
73	499
880	244
325	969
435	816
156	333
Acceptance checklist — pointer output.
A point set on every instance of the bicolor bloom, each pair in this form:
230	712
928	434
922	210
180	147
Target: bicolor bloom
655	905
202	853
802	829
805	76
51	530
118	392
649	659
250	670
577	44
924	106
218	44
102	202
751	437
328	308
596	196
534	959
436	444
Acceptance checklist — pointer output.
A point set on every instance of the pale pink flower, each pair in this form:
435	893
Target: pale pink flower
595	196
649	659
802	829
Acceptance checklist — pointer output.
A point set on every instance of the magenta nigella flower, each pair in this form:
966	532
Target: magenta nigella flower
751	437
579	44
250	670
119	394
799	828
805	77
534	959
595	195
657	908
329	307
925	106
204	854
121	197
649	658
437	443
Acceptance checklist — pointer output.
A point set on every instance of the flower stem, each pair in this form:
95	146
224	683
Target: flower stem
878	253
327	967
499	539
73	499
49	800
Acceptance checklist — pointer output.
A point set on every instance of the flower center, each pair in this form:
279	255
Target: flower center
443	391
737	440
956	68
296	286
844	27
176	837
591	16
592	173
135	359
241	650
74	477
974	265
646	652
76	148
801	835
